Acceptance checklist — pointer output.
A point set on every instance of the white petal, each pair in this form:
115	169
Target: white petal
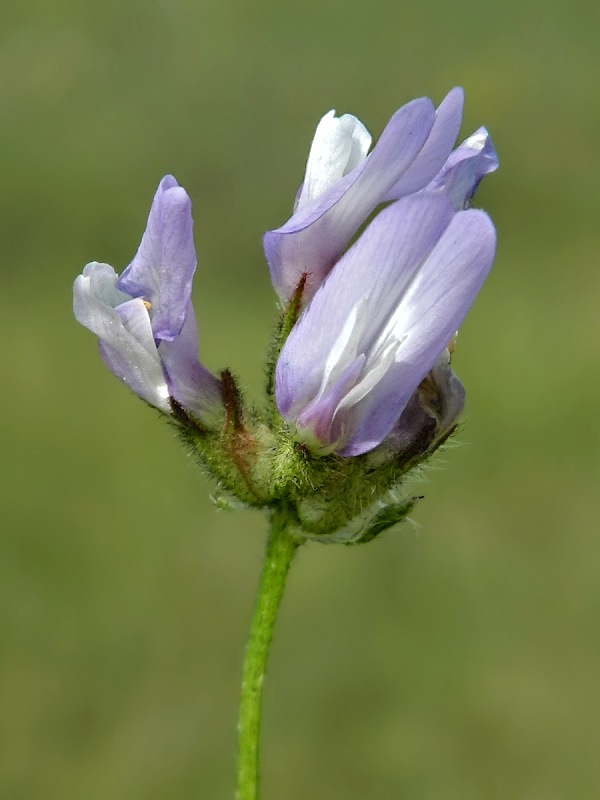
340	144
126	342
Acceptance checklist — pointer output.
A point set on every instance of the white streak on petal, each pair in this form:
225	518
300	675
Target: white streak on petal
345	347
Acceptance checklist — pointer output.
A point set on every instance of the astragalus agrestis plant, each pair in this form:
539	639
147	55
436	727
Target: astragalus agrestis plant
375	270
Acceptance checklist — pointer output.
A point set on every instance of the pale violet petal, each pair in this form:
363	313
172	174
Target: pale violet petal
190	383
430	311
315	425
163	268
358	297
437	148
465	167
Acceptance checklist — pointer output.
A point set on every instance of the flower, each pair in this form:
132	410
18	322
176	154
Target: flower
343	185
144	319
383	318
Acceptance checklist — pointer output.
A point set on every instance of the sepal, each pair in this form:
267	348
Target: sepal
329	499
389	516
286	322
237	455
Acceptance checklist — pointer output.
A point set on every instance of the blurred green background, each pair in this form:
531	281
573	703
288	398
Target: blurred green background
459	656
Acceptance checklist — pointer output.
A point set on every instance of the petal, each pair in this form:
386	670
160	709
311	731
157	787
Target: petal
126	341
164	265
348	312
318	233
437	148
361	292
190	383
430	311
314	424
102	284
407	283
465	168
340	144
135	319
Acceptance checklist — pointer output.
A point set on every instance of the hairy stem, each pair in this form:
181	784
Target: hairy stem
281	547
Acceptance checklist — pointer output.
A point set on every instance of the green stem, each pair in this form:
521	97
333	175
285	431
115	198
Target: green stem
281	547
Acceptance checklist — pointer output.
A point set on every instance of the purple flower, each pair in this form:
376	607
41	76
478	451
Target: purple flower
144	319
343	185
383	318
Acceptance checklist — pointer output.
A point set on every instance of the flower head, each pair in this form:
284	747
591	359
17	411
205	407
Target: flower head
382	319
360	361
144	319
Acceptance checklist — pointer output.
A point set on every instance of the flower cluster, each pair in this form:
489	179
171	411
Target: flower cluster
361	369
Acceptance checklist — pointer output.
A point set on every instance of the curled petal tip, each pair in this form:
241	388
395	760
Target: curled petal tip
466	166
